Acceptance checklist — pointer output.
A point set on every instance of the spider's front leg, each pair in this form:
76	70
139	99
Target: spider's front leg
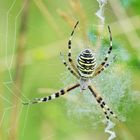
101	102
69	50
103	64
53	96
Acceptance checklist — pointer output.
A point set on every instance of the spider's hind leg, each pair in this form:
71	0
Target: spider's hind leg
101	102
53	96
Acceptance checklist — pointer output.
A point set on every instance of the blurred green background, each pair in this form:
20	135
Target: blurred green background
32	35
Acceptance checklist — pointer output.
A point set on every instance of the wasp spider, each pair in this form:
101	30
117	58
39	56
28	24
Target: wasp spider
84	71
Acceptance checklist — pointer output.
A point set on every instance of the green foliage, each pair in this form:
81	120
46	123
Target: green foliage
47	36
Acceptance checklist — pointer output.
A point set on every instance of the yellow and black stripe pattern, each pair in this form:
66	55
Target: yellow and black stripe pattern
86	63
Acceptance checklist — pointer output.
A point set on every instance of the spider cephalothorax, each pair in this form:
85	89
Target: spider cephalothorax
84	71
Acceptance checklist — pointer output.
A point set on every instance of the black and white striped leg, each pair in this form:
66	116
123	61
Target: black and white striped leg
101	102
102	69
53	96
110	48
69	49
108	53
69	68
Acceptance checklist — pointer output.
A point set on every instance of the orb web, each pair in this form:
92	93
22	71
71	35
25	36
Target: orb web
114	84
10	24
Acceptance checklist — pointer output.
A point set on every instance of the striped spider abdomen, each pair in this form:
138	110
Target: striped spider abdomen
86	63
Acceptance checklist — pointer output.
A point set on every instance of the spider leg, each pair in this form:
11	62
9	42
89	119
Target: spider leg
108	53
103	68
69	68
69	49
101	102
53	96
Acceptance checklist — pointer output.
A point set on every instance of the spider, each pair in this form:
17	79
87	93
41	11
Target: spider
84	71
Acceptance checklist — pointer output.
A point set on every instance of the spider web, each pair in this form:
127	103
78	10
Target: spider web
107	83
10	29
11	26
115	90
9	106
